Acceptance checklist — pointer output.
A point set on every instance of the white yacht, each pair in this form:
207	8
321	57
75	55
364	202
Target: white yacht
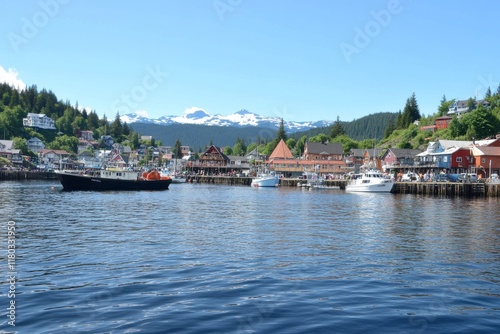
370	181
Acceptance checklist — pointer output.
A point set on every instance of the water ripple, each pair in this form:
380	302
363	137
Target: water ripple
211	259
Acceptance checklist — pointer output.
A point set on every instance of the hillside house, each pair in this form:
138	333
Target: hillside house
35	145
87	135
8	152
84	145
55	159
443	122
107	141
462	106
40	121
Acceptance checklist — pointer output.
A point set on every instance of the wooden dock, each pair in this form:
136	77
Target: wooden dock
26	175
444	189
438	189
448	189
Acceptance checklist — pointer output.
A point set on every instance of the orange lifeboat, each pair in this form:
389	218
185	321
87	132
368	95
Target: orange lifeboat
144	175
153	175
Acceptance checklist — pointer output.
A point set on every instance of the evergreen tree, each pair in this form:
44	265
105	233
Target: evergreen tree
281	134
488	93
240	147
93	120
126	129
177	151
471	104
411	113
444	107
116	129
389	129
135	141
399	121
337	129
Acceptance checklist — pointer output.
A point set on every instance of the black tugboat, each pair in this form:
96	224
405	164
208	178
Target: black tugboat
113	179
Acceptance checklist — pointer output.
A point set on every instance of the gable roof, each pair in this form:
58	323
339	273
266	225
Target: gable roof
324	148
486	150
7	144
211	150
281	151
403	152
357	152
58	152
374	152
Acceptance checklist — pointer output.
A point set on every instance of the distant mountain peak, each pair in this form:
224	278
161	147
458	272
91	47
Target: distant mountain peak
195	113
241	118
244	112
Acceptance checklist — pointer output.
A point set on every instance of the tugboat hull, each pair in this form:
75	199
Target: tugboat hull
87	182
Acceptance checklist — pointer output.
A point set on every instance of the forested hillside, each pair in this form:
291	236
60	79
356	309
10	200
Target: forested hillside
367	127
70	120
198	137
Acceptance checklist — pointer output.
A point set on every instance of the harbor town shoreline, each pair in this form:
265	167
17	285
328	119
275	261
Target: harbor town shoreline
446	189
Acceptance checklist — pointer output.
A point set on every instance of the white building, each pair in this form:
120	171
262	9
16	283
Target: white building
40	121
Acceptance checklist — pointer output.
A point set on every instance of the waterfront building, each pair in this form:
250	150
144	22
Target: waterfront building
211	162
399	157
486	160
55	159
8	152
324	158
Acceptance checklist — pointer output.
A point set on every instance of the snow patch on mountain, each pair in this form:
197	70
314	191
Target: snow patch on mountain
242	118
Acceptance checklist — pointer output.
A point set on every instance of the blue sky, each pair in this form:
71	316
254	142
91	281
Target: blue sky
300	60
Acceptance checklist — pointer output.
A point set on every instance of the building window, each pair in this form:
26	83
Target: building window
483	160
459	159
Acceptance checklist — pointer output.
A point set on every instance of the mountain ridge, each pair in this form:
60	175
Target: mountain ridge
241	118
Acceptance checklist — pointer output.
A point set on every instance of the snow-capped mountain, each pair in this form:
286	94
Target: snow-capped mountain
241	118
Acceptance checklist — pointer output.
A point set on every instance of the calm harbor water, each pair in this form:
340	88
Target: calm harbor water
204	258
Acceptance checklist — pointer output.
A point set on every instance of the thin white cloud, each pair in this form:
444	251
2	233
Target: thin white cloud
10	77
